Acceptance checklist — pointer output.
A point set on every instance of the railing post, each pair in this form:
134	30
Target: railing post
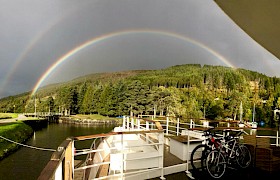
161	152
132	123
178	126
122	149
277	138
127	122
123	124
167	124
138	123
188	155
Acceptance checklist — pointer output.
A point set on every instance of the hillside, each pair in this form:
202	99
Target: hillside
190	90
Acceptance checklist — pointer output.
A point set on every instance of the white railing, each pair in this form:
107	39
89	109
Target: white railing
134	150
43	114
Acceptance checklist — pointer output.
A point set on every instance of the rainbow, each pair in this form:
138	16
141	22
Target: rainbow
122	33
50	26
29	48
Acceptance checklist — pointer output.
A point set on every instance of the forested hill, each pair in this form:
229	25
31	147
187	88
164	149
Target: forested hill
192	90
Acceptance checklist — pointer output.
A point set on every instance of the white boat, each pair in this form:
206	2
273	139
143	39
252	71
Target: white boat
252	125
140	149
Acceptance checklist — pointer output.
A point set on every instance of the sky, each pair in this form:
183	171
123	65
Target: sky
50	41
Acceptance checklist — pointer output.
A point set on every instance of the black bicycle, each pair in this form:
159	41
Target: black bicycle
227	152
200	152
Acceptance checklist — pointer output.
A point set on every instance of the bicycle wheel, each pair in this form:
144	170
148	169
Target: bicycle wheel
198	156
243	156
216	164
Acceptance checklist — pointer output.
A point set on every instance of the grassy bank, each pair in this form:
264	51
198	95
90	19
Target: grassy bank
8	115
95	117
18	132
92	116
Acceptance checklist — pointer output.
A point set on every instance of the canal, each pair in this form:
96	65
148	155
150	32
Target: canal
27	163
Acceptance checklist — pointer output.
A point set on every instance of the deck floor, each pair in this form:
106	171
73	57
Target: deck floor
230	174
78	175
170	159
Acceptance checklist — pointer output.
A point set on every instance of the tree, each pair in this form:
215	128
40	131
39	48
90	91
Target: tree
68	99
137	97
81	94
88	102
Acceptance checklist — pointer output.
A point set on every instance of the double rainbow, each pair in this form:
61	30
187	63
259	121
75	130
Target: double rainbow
123	33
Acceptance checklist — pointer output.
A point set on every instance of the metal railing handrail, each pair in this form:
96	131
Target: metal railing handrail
58	157
64	156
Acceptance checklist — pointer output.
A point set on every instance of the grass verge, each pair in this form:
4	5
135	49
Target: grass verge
8	115
96	117
18	132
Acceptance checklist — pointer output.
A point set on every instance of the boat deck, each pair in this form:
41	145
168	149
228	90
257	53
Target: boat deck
78	175
170	159
231	173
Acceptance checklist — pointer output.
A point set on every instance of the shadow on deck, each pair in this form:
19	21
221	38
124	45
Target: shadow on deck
234	174
230	174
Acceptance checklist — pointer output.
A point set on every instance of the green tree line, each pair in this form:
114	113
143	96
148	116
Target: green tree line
187	91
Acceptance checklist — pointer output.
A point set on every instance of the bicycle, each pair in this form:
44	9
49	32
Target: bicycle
201	151
227	152
236	151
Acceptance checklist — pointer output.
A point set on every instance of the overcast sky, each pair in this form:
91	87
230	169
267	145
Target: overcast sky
124	35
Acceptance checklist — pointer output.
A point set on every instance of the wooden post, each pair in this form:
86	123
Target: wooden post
69	162
61	165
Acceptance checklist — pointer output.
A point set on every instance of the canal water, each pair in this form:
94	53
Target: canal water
27	164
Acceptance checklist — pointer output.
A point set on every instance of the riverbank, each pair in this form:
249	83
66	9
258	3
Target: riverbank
14	129
93	122
8	115
18	132
93	119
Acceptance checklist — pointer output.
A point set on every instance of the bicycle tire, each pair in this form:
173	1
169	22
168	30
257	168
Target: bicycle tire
198	157
243	157
216	164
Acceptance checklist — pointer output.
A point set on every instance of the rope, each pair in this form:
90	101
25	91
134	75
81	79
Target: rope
33	147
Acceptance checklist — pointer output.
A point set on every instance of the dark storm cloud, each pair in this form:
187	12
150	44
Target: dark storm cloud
38	33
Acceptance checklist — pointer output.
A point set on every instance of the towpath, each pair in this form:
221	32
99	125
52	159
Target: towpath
19	118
